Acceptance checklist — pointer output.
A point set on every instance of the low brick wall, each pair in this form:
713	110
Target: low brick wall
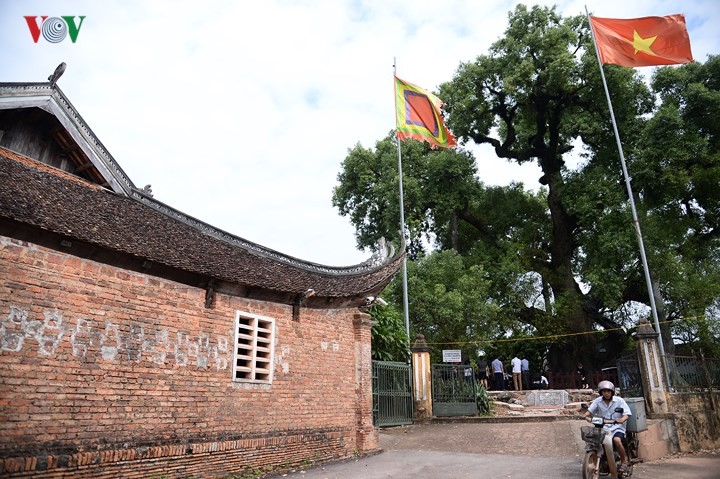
658	440
192	460
697	419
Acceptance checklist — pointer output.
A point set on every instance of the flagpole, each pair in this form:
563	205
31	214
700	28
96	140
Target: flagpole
402	220
636	222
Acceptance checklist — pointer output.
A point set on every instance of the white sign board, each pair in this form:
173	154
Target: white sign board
452	356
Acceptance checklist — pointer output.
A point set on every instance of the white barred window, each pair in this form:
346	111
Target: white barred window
254	348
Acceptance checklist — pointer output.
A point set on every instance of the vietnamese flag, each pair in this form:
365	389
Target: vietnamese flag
418	116
642	42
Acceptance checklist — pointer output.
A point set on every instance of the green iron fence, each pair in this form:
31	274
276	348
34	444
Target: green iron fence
454	391
392	393
629	380
692	373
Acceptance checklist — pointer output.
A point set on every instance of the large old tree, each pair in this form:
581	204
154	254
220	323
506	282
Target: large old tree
564	261
531	98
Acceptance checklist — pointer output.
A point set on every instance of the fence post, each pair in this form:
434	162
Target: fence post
422	378
651	366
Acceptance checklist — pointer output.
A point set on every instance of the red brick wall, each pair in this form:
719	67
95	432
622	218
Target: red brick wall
112	373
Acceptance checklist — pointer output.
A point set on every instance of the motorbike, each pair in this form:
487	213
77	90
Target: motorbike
595	461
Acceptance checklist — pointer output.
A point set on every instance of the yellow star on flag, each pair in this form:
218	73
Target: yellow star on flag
642	44
666	41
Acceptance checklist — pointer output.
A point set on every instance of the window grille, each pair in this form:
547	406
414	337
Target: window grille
254	348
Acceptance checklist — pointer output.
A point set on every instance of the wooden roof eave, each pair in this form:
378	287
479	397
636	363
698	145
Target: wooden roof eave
51	99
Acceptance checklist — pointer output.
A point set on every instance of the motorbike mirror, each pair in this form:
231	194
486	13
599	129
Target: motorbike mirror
619	410
583	406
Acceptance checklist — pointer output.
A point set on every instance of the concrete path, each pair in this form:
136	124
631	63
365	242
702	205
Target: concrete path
537	450
456	465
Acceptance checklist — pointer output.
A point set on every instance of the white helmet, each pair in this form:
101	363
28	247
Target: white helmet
606	385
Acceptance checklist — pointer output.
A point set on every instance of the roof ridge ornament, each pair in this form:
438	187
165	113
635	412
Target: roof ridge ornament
383	251
57	74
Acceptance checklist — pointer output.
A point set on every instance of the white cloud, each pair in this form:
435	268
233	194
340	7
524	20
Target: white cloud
240	113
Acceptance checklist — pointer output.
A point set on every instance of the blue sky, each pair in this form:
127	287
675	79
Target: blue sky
240	112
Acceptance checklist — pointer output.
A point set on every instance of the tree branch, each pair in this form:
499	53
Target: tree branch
474	221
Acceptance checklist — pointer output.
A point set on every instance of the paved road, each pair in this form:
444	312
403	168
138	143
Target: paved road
546	450
457	465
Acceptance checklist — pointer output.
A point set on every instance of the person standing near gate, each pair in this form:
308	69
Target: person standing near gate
525	367
516	372
482	372
498	373
582	376
468	370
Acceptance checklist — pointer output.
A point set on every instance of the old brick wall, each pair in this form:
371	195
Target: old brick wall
106	372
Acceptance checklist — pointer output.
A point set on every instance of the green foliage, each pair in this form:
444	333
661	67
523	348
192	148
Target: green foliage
389	339
483	401
674	158
532	97
369	190
678	173
448	301
699	335
566	259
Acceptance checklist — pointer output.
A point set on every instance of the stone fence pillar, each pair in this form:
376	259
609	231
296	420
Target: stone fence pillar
652	369
422	384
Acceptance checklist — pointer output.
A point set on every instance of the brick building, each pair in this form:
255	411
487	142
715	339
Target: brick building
139	342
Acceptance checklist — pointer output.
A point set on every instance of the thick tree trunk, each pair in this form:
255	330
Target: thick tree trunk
572	307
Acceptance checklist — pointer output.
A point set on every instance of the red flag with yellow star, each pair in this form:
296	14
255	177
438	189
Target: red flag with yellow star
642	42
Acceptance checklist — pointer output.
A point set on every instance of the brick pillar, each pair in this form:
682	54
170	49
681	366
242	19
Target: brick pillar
367	436
652	371
422	377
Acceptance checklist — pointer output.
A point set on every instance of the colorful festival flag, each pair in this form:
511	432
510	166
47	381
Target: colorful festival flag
641	42
418	116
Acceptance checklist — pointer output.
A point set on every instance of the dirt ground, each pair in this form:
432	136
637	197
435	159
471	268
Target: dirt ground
555	438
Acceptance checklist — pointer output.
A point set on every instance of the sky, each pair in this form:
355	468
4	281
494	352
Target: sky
240	113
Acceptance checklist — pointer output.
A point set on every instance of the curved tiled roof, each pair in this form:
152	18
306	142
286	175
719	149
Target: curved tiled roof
45	199
49	97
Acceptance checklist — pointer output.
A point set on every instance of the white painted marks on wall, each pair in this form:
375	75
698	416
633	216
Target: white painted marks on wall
324	345
281	359
111	341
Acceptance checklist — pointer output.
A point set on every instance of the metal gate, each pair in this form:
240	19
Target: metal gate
392	393
629	379
453	390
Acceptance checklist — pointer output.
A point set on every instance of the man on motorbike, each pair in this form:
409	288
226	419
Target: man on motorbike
605	406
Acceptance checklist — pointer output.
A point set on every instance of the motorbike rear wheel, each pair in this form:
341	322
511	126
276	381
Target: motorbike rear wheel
591	465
